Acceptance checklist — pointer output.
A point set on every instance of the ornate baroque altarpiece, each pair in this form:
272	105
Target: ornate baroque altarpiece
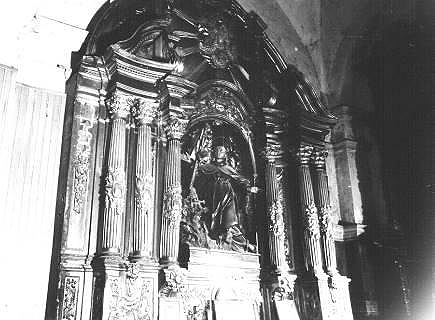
193	181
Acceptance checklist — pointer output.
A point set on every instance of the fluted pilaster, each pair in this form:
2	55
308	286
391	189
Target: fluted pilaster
142	227
324	210
312	247
172	201
276	227
115	184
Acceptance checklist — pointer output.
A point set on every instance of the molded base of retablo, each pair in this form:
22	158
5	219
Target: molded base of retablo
217	285
324	297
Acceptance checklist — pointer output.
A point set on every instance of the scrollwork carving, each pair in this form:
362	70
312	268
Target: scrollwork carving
311	220
172	205
115	190
69	305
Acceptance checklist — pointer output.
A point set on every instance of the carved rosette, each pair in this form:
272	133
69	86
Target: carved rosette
115	190
311	221
172	206
325	221
175	128
144	194
69	304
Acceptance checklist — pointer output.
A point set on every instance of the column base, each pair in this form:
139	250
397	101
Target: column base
278	295
324	297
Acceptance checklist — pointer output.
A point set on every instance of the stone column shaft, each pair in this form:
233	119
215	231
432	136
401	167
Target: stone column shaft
115	180
144	182
275	217
312	247
172	201
323	205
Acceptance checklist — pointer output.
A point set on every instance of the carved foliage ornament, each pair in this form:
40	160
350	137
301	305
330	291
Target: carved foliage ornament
115	190
144	111
172	205
175	128
144	194
81	165
326	226
119	105
311	221
69	305
276	218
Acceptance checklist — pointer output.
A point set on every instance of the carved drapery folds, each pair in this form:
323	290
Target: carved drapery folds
143	112
115	183
172	200
312	248
318	159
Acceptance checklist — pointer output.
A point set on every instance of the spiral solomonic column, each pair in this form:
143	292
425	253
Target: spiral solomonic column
142	228
115	183
172	200
312	247
318	158
276	227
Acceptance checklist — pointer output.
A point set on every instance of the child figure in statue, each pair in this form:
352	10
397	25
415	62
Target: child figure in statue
216	184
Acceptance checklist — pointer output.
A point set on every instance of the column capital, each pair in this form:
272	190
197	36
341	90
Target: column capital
119	105
318	158
303	154
144	111
272	152
175	128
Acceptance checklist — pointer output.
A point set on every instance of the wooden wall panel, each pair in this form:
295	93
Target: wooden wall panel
30	141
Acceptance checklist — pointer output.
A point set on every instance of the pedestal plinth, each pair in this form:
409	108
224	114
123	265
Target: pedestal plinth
217	285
